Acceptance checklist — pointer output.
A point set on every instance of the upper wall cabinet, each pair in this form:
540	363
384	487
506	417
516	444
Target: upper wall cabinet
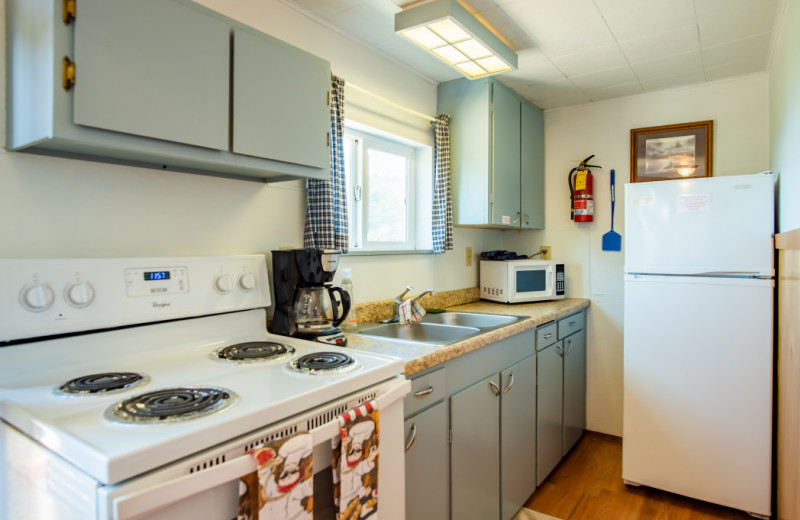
497	155
167	84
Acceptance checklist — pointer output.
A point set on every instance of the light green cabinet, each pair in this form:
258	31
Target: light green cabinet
493	424
560	391
427	470
497	155
167	84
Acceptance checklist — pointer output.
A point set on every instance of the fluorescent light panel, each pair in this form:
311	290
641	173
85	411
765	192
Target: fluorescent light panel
451	33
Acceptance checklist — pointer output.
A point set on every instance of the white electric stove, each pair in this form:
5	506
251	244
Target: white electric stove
131	388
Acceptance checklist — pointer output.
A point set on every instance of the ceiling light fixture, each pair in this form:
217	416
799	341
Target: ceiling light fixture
450	32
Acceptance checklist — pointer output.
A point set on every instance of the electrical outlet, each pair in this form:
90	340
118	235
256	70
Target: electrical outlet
545	253
469	257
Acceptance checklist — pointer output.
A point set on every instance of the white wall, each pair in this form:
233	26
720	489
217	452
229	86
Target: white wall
739	109
51	207
784	78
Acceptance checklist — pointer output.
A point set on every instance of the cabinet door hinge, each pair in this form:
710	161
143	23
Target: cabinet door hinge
67	11
329	98
328	140
67	73
450	436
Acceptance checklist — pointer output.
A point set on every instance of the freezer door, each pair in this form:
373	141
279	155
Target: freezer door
698	388
714	224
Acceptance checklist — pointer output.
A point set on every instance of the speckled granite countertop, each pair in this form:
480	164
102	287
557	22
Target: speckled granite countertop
419	357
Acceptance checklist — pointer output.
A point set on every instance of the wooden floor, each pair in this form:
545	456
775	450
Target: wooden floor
587	485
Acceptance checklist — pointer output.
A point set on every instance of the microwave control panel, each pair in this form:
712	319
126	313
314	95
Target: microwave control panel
559	279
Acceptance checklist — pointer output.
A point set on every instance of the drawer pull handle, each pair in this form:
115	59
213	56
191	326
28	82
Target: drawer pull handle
495	388
413	436
423	393
572	323
510	383
548	335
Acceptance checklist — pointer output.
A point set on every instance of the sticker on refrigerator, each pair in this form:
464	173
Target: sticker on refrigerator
689	203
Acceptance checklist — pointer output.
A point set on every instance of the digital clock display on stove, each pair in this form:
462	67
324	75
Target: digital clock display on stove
156	275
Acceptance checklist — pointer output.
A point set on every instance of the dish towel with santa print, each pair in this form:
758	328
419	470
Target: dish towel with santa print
355	463
283	486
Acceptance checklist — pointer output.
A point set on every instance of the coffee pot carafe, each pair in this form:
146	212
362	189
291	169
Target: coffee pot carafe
316	309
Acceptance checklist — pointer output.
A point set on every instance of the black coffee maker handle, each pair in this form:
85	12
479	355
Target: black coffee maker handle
344	301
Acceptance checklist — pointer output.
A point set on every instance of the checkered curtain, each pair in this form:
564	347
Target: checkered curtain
442	206
326	214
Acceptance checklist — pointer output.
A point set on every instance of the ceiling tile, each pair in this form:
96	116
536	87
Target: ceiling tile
721	21
328	8
629	20
605	78
679	65
560	28
372	21
673	80
748	49
564	99
734	69
505	28
626	89
534	65
591	60
408	52
660	45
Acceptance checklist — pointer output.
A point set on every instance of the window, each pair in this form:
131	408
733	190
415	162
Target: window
387	182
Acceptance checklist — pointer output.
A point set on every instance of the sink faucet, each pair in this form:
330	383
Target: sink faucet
398	300
429	291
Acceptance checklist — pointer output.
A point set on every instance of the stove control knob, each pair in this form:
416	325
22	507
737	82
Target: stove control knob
79	294
223	283
247	282
37	297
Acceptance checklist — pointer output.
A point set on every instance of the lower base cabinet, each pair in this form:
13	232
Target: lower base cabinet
427	471
493	451
560	391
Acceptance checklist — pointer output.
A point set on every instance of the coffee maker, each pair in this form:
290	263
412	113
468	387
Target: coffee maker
306	304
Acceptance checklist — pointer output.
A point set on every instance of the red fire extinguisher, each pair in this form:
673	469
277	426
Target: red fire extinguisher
581	192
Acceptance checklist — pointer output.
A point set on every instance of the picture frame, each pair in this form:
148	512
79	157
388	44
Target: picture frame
682	151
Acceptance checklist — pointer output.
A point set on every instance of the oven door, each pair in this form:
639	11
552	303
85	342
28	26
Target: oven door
206	486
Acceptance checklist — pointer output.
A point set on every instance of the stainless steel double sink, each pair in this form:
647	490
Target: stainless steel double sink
441	329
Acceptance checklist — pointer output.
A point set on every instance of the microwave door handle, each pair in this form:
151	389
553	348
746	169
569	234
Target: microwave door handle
144	501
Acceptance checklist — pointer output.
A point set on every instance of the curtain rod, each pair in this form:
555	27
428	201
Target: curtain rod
392	103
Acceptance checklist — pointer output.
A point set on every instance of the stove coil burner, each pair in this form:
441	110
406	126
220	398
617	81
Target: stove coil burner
323	363
105	383
254	352
171	405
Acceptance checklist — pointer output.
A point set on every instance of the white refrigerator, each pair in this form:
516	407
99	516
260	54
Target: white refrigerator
698	339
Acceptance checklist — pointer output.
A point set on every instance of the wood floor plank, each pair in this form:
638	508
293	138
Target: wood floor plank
587	485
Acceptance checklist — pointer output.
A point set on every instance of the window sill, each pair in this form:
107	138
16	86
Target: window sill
362	252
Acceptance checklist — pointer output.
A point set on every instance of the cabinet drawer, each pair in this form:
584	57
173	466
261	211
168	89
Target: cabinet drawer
571	324
426	390
546	335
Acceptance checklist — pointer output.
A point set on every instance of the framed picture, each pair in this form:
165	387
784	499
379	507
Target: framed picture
672	151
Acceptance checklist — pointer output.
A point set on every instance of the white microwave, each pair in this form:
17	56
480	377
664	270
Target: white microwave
518	281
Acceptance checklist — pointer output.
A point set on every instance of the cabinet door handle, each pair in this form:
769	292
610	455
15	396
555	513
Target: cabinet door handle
510	383
569	343
413	436
423	393
560	350
516	217
494	387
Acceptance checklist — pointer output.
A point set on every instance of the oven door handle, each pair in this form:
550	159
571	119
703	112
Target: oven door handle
147	500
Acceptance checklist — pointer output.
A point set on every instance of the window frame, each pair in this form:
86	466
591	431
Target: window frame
360	140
